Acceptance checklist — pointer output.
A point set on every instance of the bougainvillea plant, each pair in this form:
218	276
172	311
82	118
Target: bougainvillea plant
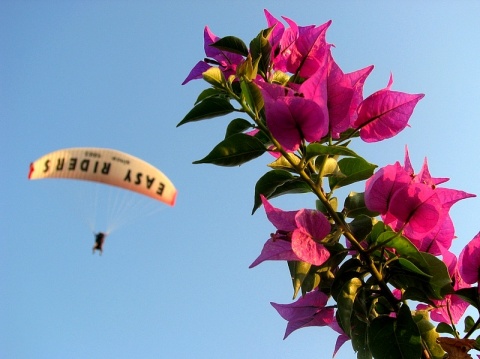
374	267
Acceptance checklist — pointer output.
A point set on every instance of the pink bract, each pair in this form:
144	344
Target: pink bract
307	311
385	113
226	61
470	261
297	237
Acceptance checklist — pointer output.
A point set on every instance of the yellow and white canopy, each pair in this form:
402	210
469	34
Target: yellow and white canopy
105	166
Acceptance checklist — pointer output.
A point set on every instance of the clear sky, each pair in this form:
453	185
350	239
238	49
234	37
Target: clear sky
176	284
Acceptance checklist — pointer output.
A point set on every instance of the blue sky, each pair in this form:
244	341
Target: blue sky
176	283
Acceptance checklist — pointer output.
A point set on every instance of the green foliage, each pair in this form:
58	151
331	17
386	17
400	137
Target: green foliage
210	107
351	170
395	338
276	183
231	44
234	151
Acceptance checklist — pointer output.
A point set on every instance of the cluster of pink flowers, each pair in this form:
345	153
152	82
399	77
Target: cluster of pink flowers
413	203
327	101
319	103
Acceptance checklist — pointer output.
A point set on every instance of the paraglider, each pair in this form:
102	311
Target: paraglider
99	240
106	166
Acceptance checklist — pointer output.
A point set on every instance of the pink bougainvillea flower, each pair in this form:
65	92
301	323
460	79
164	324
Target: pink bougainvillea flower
469	261
345	93
417	206
385	113
282	40
357	80
309	50
297	49
312	227
341	339
383	184
226	61
297	237
276	249
291	117
309	310
414	204
451	308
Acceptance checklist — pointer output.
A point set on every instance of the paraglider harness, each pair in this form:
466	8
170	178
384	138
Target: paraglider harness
99	240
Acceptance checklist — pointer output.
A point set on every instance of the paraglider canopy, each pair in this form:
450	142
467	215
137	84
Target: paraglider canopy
106	166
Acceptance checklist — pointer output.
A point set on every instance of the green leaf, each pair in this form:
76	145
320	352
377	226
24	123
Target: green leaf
351	268
395	338
234	151
470	295
252	95
345	301
329	166
421	287
402	246
333	202
299	271
248	69
445	328
281	163
428	334
359	336
208	108
231	44
440	282
361	226
275	183
407	334
209	92
316	149
214	76
355	205
377	230
352	170
409	266
237	125
260	49
280	78
469	323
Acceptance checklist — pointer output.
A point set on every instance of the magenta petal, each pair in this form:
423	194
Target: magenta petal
313	226
469	261
307	311
380	187
283	125
436	240
197	71
307	249
341	339
321	319
340	96
384	114
275	250
308	51
305	306
278	28
449	197
282	220
418	205
291	118
313	223
208	39
357	80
